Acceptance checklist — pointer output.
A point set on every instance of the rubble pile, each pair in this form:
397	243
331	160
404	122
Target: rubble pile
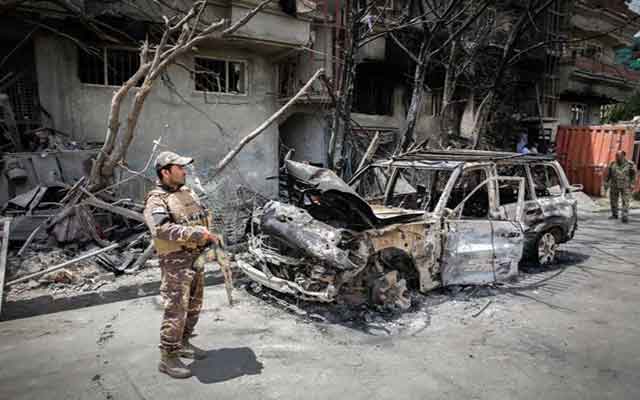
67	239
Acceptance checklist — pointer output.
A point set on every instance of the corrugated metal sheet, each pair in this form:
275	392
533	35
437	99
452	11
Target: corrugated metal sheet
586	151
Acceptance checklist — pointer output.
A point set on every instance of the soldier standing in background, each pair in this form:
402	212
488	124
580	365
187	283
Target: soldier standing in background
620	180
179	228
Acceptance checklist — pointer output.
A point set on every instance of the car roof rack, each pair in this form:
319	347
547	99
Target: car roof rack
471	156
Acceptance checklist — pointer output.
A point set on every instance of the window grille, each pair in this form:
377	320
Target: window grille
107	66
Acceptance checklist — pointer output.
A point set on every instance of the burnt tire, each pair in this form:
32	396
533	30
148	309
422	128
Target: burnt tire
545	249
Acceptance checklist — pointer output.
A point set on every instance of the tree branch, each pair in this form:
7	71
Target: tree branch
227	159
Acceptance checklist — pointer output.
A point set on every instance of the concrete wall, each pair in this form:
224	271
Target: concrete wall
206	129
308	135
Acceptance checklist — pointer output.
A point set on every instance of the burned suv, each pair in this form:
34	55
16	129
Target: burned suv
420	221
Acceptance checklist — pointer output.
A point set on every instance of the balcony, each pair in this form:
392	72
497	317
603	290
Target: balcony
271	27
586	75
288	86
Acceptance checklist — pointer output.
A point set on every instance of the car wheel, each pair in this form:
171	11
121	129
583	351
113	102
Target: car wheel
547	247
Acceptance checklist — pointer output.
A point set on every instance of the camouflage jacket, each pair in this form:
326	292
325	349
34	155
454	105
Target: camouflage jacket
177	219
621	175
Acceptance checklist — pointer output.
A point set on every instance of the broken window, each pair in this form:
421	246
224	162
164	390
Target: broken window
546	181
220	76
476	206
287	79
373	89
22	110
107	66
372	183
509	189
419	189
415	189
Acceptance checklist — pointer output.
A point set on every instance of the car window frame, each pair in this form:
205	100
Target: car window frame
561	179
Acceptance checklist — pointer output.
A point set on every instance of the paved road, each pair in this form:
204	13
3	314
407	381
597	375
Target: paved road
570	333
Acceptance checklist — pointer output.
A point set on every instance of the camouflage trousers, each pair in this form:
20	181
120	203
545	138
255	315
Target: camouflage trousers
182	289
623	194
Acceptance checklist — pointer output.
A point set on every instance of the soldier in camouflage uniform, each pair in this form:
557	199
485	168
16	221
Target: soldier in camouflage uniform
620	180
178	224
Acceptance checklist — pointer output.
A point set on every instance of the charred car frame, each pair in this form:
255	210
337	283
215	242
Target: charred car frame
420	221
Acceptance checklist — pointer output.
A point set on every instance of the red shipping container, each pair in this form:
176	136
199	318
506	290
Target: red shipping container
585	152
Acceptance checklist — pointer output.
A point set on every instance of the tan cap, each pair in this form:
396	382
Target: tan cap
168	157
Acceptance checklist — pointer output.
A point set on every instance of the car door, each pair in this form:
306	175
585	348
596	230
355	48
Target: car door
480	248
508	230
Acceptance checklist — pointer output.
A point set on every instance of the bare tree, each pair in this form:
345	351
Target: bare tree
437	16
461	62
182	33
524	22
342	113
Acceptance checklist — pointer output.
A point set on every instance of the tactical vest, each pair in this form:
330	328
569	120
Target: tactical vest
184	209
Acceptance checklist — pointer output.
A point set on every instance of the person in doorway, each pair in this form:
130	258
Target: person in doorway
523	144
178	222
620	180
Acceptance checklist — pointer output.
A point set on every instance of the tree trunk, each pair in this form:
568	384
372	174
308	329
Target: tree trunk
342	116
116	144
449	121
416	98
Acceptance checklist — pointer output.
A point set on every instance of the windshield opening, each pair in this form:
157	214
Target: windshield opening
415	189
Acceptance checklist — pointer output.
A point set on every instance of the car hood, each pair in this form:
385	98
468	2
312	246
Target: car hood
338	202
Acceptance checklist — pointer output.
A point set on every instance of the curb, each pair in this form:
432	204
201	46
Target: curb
47	304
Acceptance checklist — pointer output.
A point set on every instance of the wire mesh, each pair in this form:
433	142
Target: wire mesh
231	207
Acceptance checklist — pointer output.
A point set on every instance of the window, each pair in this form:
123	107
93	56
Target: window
476	206
107	66
373	89
578	114
592	51
220	76
415	189
509	189
546	181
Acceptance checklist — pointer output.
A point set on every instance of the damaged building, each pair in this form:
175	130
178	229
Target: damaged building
589	79
60	72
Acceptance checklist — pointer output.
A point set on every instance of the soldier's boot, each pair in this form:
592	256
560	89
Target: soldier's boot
614	216
190	351
625	220
171	365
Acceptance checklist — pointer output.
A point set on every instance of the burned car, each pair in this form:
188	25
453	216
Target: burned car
419	221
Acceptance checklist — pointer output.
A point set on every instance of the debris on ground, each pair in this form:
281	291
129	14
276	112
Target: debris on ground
64	234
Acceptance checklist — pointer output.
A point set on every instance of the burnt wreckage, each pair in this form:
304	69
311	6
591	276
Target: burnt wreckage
419	221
